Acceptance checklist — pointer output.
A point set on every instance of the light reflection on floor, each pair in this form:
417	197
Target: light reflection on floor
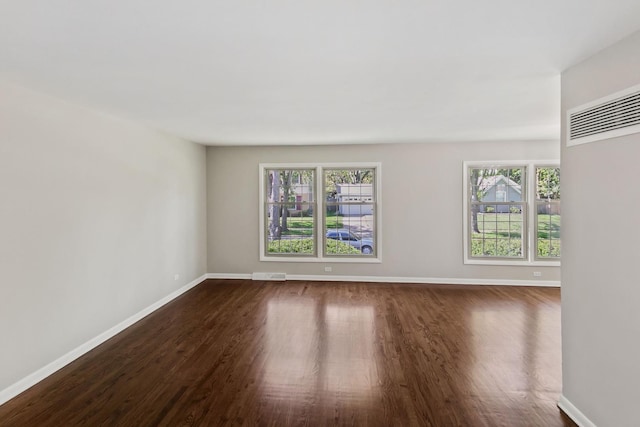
311	350
518	339
495	350
350	367
290	348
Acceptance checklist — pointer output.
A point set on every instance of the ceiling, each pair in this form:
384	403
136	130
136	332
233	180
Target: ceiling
284	72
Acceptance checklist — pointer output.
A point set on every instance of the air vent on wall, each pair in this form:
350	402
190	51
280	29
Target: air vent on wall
609	117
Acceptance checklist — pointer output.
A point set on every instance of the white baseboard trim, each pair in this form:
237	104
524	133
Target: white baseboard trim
37	376
424	280
574	413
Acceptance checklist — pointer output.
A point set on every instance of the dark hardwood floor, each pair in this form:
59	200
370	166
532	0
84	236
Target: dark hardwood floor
236	352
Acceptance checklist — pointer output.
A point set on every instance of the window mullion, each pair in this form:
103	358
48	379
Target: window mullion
322	211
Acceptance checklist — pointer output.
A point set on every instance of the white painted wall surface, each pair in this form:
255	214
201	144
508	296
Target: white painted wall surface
422	187
97	215
601	249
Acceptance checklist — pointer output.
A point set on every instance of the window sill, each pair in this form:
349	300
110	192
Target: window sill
326	260
515	263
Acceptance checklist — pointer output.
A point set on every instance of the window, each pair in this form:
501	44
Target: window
547	221
497	212
315	213
504	221
349	221
290	211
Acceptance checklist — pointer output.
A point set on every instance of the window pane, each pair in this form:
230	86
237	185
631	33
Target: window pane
548	212
497	184
548	183
496	221
548	229
290	218
349	226
496	230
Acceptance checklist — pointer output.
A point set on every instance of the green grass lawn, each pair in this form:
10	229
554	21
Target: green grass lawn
549	244
501	235
499	225
548	226
303	225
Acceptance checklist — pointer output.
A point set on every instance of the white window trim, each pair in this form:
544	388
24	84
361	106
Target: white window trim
531	259
320	207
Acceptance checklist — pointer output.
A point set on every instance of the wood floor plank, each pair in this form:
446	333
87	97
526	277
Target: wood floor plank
240	352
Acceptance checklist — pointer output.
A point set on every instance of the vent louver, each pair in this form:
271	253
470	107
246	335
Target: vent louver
609	117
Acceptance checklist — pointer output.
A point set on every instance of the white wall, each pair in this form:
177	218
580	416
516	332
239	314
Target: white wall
422	207
601	249
96	217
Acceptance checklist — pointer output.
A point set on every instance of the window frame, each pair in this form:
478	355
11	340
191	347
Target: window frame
351	201
283	205
320	213
529	212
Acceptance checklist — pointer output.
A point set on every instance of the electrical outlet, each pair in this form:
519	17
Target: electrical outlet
537	274
328	269
176	277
